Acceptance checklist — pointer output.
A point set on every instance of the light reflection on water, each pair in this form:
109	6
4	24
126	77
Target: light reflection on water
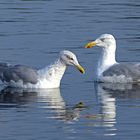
49	100
32	32
74	119
108	96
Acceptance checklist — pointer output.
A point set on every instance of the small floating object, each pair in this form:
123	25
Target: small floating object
80	105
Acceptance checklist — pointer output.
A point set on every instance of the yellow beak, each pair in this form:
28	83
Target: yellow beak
90	44
80	68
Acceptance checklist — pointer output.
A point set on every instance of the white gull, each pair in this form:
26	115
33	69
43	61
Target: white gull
108	69
21	76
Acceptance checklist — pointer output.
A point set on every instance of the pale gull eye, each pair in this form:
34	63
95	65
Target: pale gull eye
102	39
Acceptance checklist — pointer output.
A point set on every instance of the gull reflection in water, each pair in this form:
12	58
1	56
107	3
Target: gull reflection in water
107	95
50	100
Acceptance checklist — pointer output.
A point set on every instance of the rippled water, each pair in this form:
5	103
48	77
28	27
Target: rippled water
32	32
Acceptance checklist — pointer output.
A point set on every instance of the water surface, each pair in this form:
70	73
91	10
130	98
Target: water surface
33	32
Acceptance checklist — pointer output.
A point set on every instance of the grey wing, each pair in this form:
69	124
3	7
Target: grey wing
19	72
127	69
3	67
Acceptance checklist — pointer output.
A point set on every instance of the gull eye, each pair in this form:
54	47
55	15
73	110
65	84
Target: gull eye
71	58
102	39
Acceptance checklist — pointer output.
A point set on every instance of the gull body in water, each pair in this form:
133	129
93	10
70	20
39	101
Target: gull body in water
108	69
20	76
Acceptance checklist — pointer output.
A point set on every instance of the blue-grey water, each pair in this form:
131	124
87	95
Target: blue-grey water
33	32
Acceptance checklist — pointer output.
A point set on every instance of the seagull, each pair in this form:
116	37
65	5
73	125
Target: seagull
108	69
20	76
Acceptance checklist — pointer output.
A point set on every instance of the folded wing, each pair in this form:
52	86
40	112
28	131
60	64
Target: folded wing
18	73
131	70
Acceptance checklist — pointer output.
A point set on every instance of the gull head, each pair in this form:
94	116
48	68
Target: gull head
69	58
105	41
